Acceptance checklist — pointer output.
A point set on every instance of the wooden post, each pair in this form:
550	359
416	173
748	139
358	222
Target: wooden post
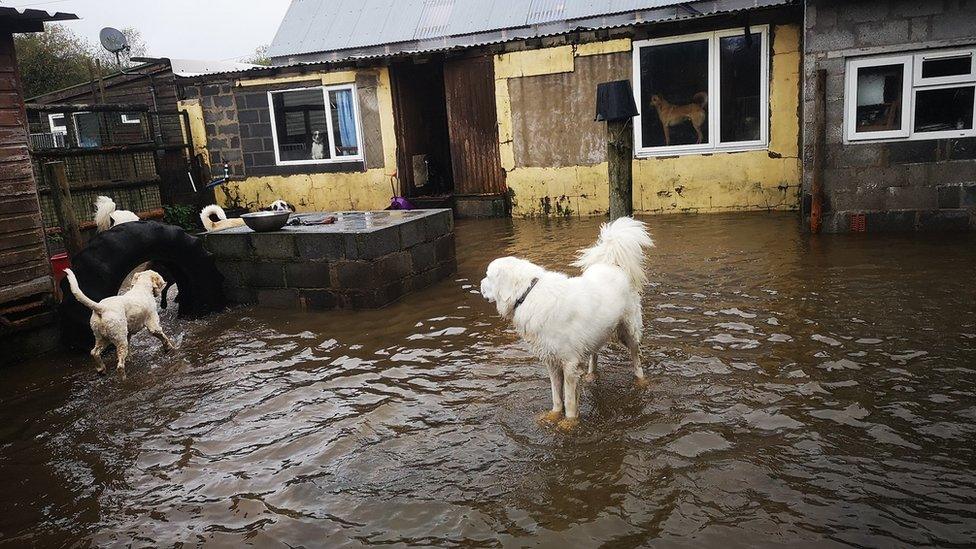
620	157
819	152
57	182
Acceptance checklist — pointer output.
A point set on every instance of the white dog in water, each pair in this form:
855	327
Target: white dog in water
567	320
117	318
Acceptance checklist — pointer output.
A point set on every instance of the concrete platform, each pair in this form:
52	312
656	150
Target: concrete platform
365	260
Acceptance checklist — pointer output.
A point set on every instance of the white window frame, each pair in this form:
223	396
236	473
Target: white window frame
74	119
57	128
328	105
127	120
904	129
912	83
920	59
714	143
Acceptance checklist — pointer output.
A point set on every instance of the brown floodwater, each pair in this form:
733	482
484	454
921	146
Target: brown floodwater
805	392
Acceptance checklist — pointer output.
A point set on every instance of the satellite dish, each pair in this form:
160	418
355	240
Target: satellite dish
113	40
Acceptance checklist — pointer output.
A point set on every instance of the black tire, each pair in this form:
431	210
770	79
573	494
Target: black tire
111	255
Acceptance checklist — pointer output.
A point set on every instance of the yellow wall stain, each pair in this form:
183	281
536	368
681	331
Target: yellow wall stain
603	48
713	182
197	128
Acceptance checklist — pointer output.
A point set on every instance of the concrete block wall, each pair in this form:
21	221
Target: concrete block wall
899	185
221	124
324	267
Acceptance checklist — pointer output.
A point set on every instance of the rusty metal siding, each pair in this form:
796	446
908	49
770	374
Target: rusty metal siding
25	273
472	123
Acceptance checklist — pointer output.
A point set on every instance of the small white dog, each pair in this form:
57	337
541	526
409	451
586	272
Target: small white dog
567	320
318	145
106	216
281	206
117	318
222	222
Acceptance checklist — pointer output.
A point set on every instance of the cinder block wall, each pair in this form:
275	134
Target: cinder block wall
324	268
905	185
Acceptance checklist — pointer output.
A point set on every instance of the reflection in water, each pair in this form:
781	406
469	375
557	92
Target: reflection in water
805	392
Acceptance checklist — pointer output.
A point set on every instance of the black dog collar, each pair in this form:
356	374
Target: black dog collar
525	294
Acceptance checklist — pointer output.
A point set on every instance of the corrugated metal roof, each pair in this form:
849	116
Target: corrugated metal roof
342	29
28	15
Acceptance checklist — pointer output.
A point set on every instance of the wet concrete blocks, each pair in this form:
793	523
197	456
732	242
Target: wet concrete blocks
364	261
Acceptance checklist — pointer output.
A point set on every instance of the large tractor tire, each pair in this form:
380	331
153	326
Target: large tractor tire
111	255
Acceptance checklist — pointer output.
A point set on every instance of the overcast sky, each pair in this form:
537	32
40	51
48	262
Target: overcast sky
194	29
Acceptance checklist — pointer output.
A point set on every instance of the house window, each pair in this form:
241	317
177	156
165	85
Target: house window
315	125
911	97
87	129
701	93
57	123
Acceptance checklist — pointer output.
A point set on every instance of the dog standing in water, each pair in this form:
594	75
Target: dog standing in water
567	320
117	318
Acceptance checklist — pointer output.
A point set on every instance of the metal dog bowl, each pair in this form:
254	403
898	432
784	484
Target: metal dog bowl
263	222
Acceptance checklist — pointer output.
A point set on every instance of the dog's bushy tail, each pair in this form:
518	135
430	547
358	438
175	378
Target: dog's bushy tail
621	244
104	208
210	210
79	295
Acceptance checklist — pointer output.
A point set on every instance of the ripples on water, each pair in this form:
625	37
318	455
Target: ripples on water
805	392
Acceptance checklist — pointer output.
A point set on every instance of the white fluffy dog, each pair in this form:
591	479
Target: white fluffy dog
567	320
106	216
222	221
117	318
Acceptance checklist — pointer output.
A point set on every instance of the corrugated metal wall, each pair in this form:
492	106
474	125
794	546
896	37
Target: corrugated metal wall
473	126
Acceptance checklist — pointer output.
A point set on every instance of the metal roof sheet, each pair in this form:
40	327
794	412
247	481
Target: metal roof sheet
342	29
29	15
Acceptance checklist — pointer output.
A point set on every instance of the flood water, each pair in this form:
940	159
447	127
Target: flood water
805	392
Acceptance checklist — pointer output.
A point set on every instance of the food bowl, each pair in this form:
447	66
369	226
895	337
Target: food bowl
263	222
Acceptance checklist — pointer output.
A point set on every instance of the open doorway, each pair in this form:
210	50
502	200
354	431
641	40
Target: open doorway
423	142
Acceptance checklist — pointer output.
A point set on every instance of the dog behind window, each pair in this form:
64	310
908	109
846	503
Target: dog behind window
670	114
117	318
318	145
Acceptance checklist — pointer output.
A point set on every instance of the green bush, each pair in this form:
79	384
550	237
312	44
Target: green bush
182	215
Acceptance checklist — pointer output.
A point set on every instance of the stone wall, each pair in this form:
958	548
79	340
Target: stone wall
898	185
330	267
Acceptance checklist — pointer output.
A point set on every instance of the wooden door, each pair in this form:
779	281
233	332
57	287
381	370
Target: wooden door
469	86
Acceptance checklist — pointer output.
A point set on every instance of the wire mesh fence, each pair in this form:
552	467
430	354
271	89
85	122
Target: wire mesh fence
106	150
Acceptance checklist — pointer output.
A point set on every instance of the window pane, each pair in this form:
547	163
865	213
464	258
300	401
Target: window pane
947	66
87	128
741	82
674	94
301	125
57	123
879	92
344	123
944	109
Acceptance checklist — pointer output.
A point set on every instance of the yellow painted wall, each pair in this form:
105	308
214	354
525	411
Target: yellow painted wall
197	127
715	182
369	190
